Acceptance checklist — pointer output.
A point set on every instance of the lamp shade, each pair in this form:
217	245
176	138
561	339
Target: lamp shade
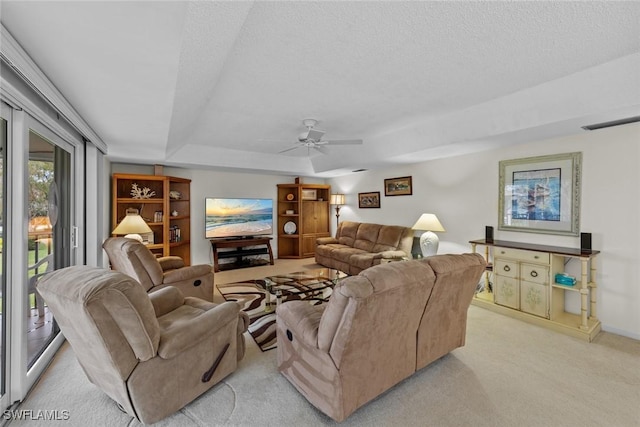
428	222
132	225
337	199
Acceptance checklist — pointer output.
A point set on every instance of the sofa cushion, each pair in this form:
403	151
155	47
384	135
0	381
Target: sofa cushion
367	237
364	260
327	250
389	238
344	253
347	232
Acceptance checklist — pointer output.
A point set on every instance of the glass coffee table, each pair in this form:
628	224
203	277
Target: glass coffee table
259	297
314	286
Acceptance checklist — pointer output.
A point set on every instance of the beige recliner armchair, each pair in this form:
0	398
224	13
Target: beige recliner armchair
131	257
151	353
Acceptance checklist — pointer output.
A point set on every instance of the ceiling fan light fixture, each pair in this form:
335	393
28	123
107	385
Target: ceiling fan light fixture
311	139
309	122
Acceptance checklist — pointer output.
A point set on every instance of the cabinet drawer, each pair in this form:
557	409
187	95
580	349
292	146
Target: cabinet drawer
506	292
534	273
522	255
506	268
534	298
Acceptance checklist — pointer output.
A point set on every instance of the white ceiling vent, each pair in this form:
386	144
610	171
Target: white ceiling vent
612	123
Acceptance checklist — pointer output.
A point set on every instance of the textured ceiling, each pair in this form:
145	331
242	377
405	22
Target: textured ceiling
227	84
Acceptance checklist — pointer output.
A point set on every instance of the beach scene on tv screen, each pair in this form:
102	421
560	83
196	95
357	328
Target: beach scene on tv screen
238	217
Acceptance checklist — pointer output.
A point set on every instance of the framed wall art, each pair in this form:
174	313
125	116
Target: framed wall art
369	200
398	186
541	194
308	194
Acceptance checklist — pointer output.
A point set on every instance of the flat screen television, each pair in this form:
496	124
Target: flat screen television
238	218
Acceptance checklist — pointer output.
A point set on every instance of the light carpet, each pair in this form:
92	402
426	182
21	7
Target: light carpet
509	374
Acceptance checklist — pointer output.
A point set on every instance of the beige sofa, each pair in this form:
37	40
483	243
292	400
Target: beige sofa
358	246
377	329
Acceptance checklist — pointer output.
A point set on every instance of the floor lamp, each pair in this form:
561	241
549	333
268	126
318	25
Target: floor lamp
337	200
429	240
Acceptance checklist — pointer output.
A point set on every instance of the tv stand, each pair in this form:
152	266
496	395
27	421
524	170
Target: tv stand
240	251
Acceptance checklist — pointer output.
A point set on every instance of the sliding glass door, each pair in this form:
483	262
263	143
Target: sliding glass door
5	113
39	207
49	206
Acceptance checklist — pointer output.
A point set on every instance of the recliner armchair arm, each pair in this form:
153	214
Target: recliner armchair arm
186	273
302	319
170	262
184	335
166	299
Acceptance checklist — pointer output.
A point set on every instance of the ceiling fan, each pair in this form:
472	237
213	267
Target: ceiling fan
312	139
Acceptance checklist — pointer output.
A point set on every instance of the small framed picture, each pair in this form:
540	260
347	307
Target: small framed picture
369	200
309	194
398	186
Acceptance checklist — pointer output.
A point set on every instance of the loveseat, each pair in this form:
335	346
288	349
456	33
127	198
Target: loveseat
377	329
358	246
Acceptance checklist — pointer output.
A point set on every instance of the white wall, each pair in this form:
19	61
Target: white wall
463	192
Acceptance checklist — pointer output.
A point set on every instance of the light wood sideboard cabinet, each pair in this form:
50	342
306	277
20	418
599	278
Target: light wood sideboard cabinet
524	286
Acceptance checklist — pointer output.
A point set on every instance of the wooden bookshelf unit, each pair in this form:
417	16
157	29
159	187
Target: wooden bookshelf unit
167	212
303	216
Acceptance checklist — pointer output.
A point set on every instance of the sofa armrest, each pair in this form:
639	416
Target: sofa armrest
326	240
302	319
166	299
186	273
170	262
393	254
186	333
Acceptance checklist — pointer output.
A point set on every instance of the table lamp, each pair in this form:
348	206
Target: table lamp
337	200
132	225
428	240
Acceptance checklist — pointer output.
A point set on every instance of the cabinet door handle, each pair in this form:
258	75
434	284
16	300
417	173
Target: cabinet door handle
536	257
534	273
506	268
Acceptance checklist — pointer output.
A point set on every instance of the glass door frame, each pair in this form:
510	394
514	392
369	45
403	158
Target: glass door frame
5	359
22	378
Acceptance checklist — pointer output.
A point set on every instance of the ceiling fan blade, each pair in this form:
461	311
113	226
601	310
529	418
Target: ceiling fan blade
343	142
321	149
289	149
314	134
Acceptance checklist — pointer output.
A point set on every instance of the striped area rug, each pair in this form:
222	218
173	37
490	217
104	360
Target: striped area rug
260	306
